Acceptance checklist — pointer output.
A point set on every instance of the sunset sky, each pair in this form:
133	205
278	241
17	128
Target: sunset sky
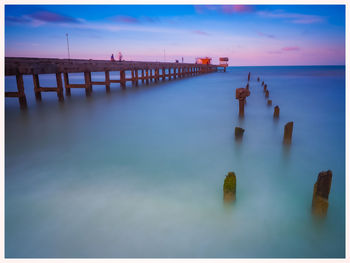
248	35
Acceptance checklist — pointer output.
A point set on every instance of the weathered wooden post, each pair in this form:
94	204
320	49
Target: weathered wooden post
276	113
122	79
269	102
136	77
60	86
132	77
163	74
36	87
66	83
265	88
262	83
267	93
258	79
239	133
21	95
229	188
288	131
322	188
108	83
143	75
248	76
241	94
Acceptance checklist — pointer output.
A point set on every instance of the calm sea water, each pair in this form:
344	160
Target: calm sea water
139	173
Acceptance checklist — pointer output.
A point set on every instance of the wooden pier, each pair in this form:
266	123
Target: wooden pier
144	72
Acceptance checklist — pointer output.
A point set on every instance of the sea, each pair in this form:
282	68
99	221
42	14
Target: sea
139	173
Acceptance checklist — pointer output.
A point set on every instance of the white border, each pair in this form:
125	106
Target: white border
191	2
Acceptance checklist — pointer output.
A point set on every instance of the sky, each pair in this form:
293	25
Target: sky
249	35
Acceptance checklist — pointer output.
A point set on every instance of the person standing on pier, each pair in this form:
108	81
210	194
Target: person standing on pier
120	56
112	58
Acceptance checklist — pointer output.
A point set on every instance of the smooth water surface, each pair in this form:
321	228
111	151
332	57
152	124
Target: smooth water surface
139	173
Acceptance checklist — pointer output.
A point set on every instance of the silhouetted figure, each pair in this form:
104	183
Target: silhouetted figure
112	58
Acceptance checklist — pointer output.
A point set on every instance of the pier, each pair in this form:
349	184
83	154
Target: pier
144	72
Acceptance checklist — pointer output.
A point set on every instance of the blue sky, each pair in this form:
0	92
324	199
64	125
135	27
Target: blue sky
247	34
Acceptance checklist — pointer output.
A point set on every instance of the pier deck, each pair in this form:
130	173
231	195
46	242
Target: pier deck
140	71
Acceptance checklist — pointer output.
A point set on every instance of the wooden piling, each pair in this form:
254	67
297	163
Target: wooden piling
241	95
229	188
66	83
122	79
108	83
288	131
267	93
239	133
36	87
136	77
322	188
143	76
265	88
21	95
276	113
248	76
269	102
88	86
147	77
59	87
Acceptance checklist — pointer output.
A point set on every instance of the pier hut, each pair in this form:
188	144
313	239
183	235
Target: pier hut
203	61
223	63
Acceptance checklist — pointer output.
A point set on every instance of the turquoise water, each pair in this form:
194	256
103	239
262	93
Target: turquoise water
139	173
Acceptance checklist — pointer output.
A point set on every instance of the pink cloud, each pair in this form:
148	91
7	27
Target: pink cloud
226	9
295	48
199	32
229	9
126	19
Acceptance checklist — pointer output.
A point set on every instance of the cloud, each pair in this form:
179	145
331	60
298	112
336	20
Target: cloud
292	17
295	48
199	32
126	19
265	35
41	18
229	9
225	9
51	17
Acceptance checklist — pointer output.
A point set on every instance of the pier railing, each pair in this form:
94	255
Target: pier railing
140	71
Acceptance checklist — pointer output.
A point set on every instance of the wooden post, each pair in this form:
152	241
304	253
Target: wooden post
269	102
122	79
132	77
322	187
163	74
156	74
229	188
36	87
265	88
241	95
136	77
21	95
267	93
175	72
88	86
147	77
143	75
108	83
66	83
59	87
276	112
288	131
239	133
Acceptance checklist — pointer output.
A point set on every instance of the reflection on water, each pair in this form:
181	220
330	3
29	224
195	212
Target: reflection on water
140	172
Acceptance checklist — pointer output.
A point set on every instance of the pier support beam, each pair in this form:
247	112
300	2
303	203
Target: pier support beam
36	87
88	86
122	79
322	188
59	87
147	77
143	76
66	83
108	82
21	95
